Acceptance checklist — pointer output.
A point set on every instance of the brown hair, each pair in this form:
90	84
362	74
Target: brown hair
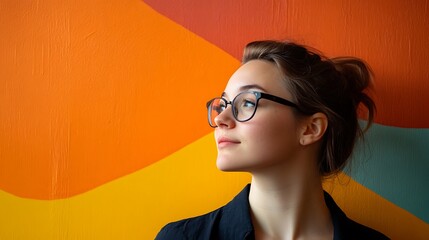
335	87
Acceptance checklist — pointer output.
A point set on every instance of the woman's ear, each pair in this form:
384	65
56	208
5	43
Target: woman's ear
314	127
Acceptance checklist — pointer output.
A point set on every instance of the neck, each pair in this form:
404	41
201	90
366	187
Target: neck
289	205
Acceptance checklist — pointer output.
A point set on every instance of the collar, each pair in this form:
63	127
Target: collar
339	218
236	221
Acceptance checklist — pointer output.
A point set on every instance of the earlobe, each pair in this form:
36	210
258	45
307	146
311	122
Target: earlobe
314	128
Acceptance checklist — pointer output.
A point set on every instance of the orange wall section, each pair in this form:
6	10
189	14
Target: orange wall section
97	88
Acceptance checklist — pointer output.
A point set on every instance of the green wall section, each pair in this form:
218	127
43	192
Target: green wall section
394	162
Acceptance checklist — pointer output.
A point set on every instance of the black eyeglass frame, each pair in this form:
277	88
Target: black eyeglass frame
259	95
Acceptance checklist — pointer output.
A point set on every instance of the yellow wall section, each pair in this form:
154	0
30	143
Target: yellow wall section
182	185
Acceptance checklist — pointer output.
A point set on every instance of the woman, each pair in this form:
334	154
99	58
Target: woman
289	117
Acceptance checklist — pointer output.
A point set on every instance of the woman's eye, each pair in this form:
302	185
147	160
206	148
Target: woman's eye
219	108
248	104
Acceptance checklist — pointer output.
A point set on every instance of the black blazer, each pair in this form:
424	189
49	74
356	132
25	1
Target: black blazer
233	221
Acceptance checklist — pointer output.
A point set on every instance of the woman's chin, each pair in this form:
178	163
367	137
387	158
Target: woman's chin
228	165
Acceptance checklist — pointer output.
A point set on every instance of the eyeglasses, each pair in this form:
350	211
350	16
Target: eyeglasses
244	105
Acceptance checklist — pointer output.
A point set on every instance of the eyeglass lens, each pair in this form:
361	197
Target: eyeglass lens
243	107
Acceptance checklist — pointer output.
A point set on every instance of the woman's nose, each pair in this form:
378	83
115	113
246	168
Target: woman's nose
225	118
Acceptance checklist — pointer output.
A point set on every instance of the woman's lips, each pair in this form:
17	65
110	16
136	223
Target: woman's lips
225	142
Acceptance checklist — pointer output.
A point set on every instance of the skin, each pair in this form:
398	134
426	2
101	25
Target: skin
280	149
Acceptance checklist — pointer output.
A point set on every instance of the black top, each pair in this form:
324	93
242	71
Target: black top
233	221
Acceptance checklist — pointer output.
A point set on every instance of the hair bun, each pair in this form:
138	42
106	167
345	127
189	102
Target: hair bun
357	77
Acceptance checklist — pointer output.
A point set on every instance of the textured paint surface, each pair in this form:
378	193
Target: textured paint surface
103	99
94	143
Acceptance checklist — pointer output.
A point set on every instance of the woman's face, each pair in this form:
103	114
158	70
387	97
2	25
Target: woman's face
270	137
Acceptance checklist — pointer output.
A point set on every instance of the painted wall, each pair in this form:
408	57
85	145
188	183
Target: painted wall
93	143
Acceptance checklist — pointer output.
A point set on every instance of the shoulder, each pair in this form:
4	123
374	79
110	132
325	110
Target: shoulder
200	226
346	228
231	221
359	231
171	231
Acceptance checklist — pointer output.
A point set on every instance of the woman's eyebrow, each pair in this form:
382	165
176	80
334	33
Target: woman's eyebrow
251	86
247	87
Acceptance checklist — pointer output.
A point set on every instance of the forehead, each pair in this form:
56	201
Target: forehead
259	74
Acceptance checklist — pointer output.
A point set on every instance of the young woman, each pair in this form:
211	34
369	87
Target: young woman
289	117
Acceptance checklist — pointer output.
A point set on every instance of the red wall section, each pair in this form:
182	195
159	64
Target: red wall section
390	35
